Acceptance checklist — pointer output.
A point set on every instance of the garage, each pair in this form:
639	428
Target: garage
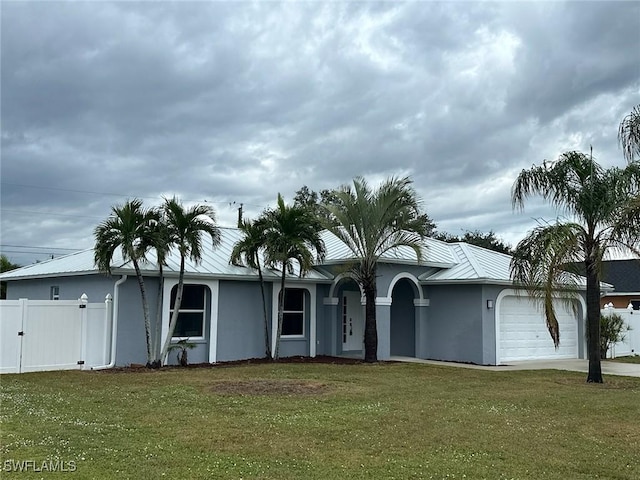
523	335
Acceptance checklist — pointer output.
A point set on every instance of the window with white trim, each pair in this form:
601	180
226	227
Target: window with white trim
293	314
635	304
191	319
54	293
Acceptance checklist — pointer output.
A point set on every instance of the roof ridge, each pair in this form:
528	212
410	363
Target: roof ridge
480	271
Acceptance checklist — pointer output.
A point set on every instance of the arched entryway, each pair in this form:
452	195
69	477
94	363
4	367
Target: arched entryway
403	319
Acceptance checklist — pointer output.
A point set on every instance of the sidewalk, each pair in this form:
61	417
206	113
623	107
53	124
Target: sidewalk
574	365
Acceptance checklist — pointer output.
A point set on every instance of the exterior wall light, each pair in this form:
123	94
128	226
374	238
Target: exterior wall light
489	304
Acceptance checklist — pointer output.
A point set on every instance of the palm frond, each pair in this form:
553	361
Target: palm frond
539	265
629	134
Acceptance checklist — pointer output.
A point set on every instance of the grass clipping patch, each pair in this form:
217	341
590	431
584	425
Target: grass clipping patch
269	387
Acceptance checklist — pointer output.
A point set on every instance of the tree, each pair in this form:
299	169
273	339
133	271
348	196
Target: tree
129	228
487	240
603	211
292	234
370	223
311	200
5	266
184	231
246	252
629	134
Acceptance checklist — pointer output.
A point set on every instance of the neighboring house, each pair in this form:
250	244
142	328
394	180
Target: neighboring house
624	275
459	305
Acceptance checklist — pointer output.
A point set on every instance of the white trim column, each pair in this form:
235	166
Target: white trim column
421	312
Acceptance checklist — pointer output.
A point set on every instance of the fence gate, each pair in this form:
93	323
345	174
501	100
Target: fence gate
39	335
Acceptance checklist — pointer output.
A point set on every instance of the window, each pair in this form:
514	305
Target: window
293	318
192	311
635	304
54	293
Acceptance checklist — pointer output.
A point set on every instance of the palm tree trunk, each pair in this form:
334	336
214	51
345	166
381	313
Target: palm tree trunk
276	354
370	327
264	312
145	309
158	327
593	319
176	313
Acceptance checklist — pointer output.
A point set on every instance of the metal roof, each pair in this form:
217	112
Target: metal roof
449	262
436	253
214	263
474	264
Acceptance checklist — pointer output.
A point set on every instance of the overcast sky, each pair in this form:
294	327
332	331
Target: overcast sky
231	103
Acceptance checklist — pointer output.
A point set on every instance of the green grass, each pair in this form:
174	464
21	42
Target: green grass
328	421
629	359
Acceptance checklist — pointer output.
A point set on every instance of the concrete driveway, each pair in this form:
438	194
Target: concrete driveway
574	365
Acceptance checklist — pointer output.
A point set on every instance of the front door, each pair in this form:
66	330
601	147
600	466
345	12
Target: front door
352	321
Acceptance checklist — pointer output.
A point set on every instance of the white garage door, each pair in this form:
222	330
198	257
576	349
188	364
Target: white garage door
523	333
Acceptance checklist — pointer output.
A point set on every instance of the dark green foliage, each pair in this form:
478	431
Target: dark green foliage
487	240
5	266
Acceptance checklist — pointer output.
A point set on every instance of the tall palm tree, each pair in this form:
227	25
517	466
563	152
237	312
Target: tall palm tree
603	212
291	233
185	229
370	222
629	134
246	252
128	228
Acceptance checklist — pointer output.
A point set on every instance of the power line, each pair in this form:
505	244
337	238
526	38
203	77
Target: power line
33	212
32	252
93	192
76	191
42	248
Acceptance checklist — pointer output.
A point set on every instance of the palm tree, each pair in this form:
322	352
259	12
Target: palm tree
604	212
185	228
128	228
371	223
291	233
629	134
246	252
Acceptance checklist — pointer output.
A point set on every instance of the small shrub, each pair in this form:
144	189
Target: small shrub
612	331
182	346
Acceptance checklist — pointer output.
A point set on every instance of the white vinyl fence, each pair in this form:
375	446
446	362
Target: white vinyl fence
39	335
630	345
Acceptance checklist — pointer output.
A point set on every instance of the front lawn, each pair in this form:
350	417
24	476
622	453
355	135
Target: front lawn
322	421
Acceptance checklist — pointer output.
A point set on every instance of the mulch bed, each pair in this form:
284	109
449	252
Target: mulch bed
325	359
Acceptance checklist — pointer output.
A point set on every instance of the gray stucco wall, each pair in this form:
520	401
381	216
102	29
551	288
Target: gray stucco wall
70	288
455	320
241	320
323	332
132	345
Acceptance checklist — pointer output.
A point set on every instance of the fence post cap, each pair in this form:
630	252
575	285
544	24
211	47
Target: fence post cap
83	298
108	298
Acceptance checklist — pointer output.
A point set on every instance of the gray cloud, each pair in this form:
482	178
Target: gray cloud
234	102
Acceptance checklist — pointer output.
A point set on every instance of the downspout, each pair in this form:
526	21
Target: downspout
114	325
